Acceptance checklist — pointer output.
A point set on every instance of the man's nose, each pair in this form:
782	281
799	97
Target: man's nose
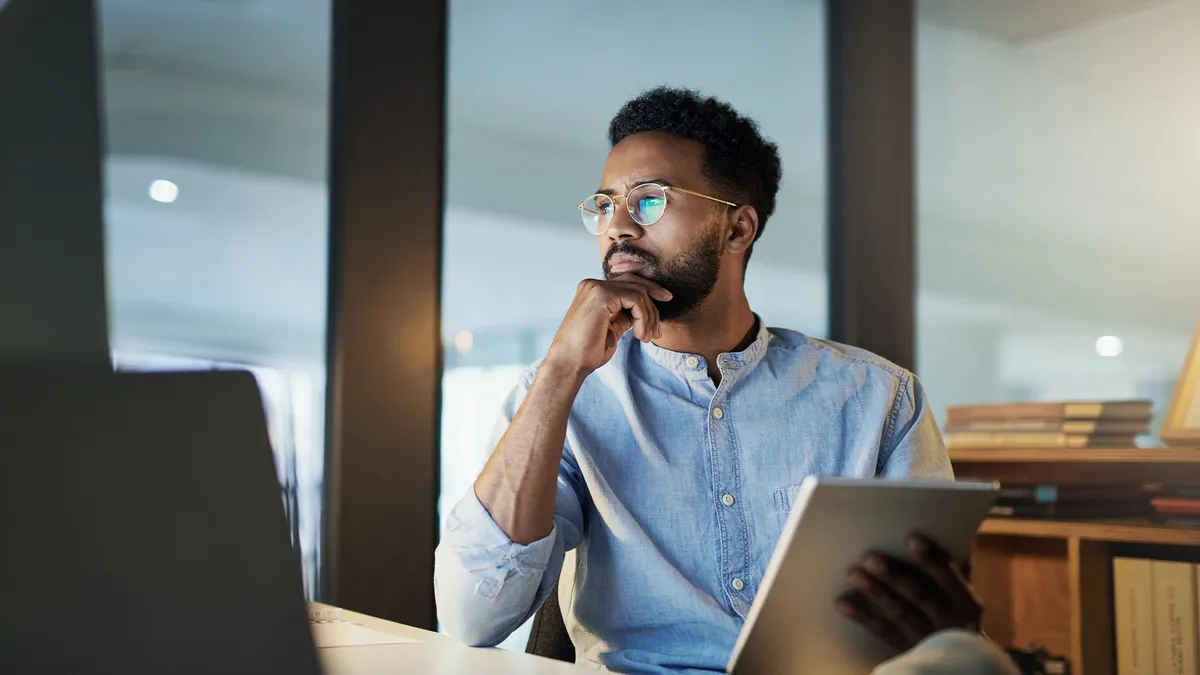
622	225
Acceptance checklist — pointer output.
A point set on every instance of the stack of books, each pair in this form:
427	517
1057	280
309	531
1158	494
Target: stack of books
1178	506
1069	424
1071	501
1155	616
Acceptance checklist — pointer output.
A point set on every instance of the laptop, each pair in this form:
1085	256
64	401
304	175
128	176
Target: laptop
143	528
52	290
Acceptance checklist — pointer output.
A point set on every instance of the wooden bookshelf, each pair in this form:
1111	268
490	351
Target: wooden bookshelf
1049	582
1068	466
1126	530
1077	455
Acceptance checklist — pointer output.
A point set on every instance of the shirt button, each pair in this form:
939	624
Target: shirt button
727	499
693	362
738	584
718	413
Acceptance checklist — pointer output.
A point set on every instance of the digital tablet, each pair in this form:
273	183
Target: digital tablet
793	626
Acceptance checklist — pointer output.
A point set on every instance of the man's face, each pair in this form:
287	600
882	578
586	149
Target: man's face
682	251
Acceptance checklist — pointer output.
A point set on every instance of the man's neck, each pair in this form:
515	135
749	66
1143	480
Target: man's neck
719	325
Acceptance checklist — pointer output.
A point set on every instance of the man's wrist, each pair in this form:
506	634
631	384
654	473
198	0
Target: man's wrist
563	370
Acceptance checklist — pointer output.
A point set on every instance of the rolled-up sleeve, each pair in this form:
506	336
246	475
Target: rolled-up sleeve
487	585
915	448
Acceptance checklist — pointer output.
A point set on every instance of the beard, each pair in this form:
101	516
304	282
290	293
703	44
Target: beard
689	276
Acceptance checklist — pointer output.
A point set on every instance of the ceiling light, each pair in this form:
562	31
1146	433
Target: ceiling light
464	341
164	191
1109	345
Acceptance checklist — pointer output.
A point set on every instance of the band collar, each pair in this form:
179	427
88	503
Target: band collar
695	364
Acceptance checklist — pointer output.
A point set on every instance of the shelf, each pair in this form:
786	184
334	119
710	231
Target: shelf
1117	530
1068	455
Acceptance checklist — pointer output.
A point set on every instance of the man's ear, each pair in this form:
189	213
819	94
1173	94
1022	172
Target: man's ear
743	229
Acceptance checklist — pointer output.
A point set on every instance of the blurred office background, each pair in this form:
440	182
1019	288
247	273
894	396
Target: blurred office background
1056	151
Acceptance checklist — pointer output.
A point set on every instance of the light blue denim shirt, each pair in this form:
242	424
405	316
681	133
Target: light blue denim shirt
674	492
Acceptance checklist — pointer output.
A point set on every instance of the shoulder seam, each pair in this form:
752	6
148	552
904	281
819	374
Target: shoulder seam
897	371
889	427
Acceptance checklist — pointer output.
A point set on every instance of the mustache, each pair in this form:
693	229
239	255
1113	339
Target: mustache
625	248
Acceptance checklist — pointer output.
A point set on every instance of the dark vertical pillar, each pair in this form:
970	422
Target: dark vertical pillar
386	182
53	308
872	235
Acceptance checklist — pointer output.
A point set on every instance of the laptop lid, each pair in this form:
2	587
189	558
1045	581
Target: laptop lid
52	280
143	528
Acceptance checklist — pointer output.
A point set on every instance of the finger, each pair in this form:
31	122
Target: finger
646	315
644	311
918	590
652	288
891	605
630	301
941	568
617	326
641	321
655	320
622	322
853	607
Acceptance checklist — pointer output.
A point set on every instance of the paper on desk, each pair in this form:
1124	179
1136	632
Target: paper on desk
346	634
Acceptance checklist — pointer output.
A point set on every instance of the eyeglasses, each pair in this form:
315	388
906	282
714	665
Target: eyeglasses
646	204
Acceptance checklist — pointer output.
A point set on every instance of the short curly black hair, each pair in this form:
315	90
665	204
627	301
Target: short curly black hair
739	161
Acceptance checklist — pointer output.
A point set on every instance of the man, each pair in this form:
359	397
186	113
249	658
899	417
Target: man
666	430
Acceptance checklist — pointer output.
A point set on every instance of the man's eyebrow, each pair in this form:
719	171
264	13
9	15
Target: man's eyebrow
661	181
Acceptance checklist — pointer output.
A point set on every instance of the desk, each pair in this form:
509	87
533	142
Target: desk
431	654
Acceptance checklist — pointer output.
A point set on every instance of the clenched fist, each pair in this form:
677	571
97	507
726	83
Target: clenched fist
601	312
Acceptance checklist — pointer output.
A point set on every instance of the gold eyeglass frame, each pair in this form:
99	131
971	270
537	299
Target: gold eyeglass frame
664	188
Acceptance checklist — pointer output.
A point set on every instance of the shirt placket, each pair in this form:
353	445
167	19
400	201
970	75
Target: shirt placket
733	556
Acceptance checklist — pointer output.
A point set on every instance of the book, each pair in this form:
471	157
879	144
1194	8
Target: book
1180	491
1133	615
1073	510
1176	506
1034	439
1175	617
1169	520
1083	427
1055	494
1068	410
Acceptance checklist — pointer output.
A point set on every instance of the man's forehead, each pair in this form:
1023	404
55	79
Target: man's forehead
653	156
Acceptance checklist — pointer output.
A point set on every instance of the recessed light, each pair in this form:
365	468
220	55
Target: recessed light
463	341
164	191
1109	345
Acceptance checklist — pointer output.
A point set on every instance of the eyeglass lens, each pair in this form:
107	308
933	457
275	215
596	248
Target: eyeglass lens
646	204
